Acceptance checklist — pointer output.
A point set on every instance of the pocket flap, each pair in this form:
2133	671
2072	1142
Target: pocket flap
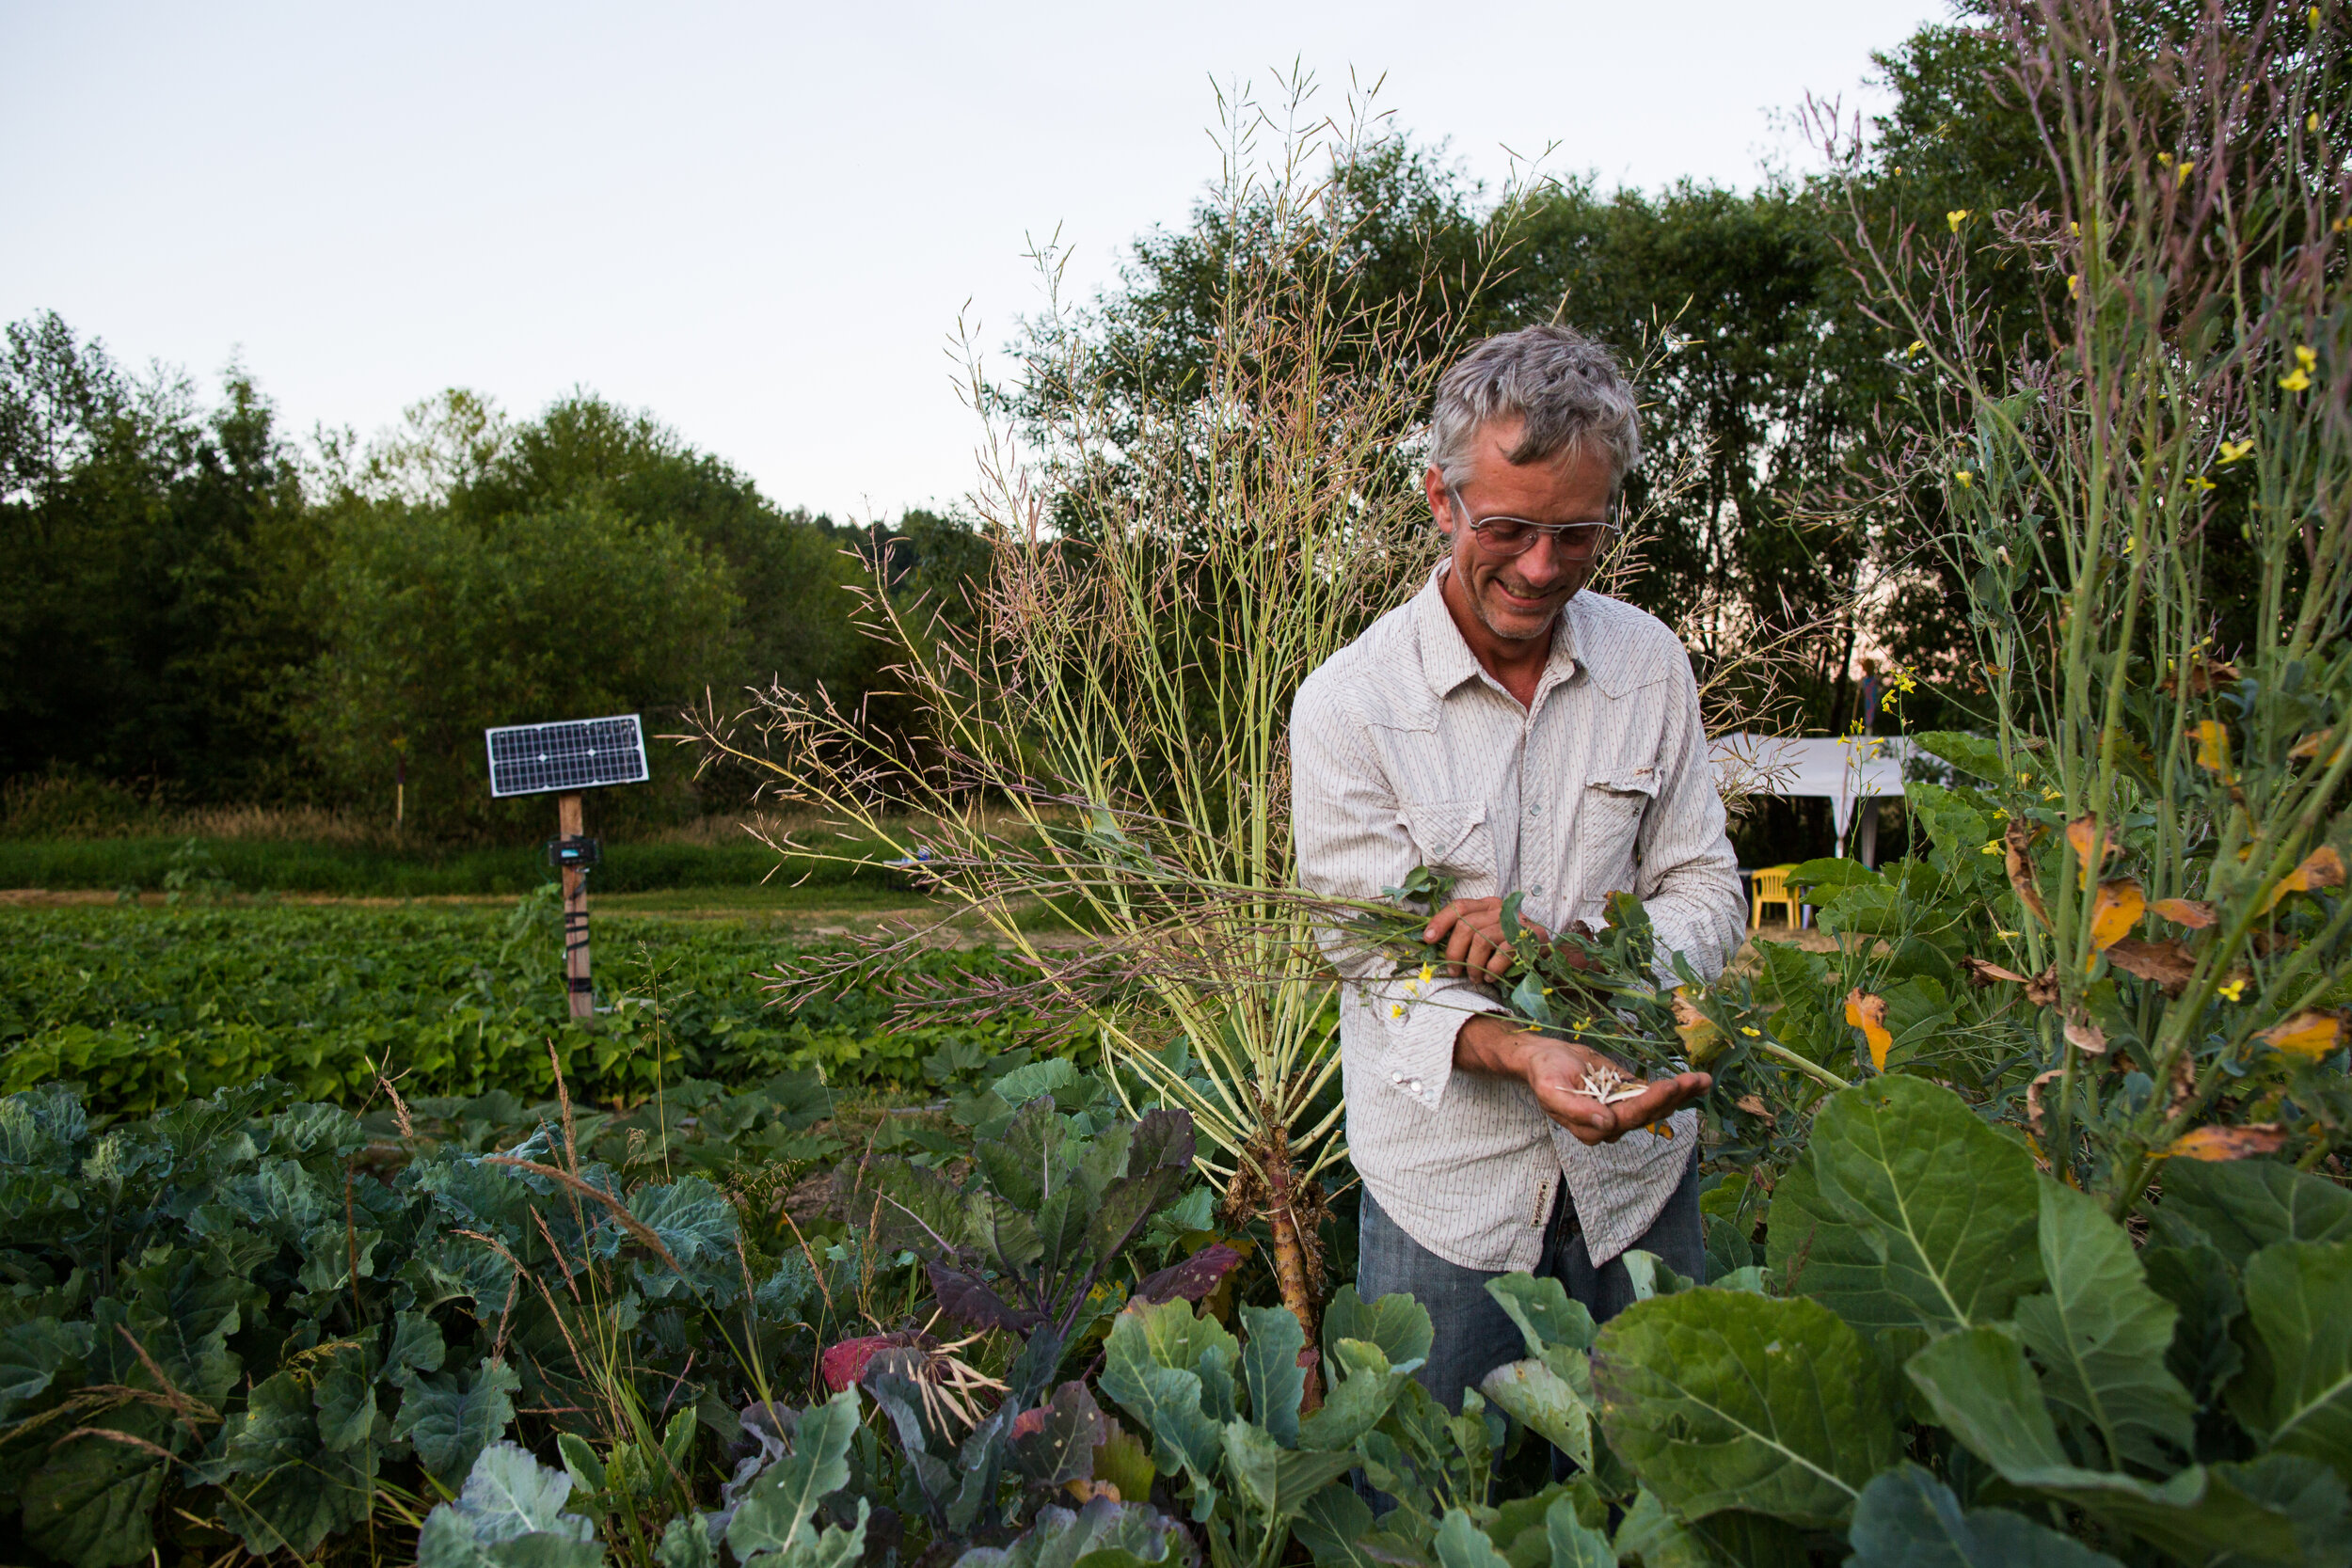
1628	781
1440	827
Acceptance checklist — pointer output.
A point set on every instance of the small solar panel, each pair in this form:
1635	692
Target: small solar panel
579	753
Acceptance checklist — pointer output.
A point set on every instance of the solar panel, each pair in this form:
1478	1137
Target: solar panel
579	753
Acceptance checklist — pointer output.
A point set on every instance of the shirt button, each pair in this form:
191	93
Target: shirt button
1396	1078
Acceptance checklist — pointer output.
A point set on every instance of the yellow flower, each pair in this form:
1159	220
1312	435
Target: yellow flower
2311	122
2299	381
1999	815
2233	988
2075	285
2132	544
2180	175
2305	358
2314	16
2232	451
2007	936
2024	778
1992	846
2049	794
2200	482
1916	344
1964	477
1428	973
1957	216
1396	1011
1752	1033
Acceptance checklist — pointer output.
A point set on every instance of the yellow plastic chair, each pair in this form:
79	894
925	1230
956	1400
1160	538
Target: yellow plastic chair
1770	885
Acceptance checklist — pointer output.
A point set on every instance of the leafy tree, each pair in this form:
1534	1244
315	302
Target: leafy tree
437	625
147	550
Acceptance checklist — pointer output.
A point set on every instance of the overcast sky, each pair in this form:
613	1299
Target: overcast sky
761	222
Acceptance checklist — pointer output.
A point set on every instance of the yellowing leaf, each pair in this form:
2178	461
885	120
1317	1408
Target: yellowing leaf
2015	839
2081	834
2115	911
2213	747
2227	1143
2322	867
2191	912
1868	1013
2311	746
2310	1034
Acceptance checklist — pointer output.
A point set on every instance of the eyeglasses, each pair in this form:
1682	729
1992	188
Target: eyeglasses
1510	536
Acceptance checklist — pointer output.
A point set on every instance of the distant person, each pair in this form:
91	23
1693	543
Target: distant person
1519	734
1873	694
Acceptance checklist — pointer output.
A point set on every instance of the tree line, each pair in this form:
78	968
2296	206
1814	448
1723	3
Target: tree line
193	605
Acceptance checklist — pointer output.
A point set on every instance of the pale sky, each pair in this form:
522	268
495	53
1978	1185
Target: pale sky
761	222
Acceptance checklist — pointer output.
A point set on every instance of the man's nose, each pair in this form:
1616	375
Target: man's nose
1545	562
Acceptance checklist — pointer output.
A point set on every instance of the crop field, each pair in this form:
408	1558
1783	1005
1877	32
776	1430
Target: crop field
142	1007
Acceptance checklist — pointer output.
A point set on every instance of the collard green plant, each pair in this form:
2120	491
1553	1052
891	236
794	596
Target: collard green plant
1052	1203
1223	1414
264	1321
2060	1393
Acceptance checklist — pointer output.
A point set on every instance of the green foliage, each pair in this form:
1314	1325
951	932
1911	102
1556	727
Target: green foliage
1235	1444
1052	1202
435	624
263	1314
143	1007
1955	1305
509	1515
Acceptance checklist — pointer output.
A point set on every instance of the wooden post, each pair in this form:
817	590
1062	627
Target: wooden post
583	994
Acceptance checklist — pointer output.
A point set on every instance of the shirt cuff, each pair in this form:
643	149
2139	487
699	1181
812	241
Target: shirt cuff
1416	1025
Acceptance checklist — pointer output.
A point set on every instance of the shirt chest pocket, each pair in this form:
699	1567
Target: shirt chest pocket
1610	827
1452	838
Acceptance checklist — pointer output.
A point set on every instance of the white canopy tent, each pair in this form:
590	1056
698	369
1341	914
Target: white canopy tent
1853	772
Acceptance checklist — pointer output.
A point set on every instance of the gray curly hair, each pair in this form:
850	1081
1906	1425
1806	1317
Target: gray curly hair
1567	389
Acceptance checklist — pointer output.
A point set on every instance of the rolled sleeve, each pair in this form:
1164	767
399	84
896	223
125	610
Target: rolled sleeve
1352	843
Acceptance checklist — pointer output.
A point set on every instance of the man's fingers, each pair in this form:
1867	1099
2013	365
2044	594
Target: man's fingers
1592	1122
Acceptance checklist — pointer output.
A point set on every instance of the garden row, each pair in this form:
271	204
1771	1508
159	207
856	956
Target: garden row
140	1008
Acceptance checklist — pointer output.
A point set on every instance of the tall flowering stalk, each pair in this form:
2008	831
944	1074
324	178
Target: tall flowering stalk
2148	505
1104	752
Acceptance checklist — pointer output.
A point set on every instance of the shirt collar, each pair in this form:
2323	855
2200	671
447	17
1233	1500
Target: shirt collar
1446	659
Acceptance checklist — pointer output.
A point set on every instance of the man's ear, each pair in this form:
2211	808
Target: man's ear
1440	509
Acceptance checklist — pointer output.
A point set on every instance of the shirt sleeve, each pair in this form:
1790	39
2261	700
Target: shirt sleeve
1689	878
1352	843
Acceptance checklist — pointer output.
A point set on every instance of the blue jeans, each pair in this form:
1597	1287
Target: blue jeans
1473	1335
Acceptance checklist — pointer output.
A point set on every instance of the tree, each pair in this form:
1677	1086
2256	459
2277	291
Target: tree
437	626
159	543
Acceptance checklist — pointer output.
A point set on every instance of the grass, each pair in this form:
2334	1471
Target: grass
362	870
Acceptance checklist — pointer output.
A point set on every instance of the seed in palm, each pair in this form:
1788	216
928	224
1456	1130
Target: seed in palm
1607	1085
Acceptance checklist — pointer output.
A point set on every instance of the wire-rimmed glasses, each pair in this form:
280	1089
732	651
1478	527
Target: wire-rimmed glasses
1510	536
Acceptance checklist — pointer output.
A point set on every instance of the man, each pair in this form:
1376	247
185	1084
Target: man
1516	733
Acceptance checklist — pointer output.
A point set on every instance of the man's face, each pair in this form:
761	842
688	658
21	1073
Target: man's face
1517	598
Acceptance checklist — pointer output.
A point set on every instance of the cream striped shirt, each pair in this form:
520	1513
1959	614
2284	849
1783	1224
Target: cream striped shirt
1406	753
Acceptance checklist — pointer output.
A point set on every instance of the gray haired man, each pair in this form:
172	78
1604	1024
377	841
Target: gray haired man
1514	732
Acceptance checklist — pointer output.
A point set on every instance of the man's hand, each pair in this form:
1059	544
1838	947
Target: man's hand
1555	1070
1471	931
